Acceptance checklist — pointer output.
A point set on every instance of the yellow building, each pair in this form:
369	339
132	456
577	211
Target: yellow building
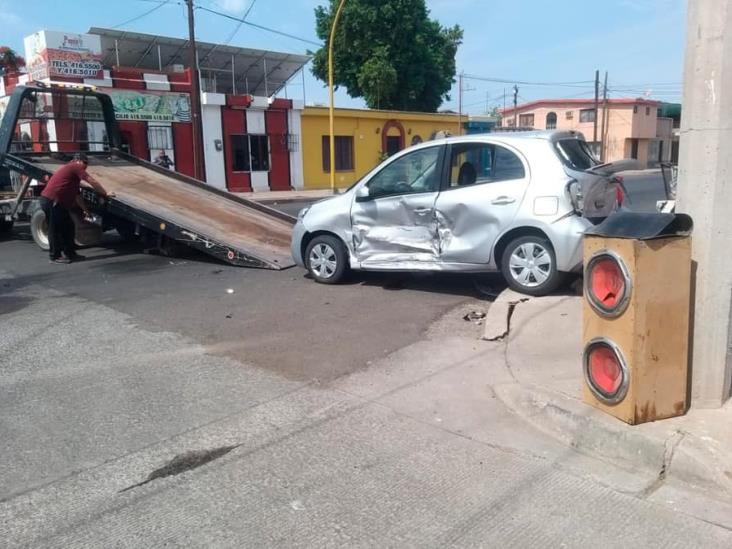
363	139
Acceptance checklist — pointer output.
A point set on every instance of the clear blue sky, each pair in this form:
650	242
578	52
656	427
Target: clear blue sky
639	42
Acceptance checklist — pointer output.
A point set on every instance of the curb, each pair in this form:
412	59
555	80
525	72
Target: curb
593	433
498	319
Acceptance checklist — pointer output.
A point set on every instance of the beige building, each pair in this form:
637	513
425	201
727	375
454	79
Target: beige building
633	128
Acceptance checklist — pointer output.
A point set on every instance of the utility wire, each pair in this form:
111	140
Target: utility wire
577	84
238	26
261	27
144	14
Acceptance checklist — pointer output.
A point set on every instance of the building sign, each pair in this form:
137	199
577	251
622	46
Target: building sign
51	54
150	106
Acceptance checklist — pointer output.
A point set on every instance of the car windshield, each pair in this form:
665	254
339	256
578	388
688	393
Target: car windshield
576	154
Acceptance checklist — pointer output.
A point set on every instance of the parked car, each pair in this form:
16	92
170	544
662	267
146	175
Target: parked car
516	203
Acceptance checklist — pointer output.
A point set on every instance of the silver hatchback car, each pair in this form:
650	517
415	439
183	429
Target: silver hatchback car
516	203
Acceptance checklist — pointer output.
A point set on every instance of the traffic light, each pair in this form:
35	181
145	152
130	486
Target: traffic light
636	316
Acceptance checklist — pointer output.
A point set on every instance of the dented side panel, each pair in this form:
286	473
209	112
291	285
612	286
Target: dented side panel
395	228
470	219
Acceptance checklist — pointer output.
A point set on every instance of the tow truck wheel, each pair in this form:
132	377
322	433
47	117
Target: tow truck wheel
39	229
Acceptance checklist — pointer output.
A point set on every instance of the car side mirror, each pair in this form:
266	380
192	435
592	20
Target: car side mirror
362	194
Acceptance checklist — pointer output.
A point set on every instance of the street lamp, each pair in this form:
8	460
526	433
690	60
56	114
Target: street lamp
330	93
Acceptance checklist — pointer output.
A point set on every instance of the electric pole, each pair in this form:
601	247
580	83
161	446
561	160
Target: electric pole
605	121
597	102
515	104
195	97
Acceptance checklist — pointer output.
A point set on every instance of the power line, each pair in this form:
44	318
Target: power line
576	84
238	26
144	14
261	27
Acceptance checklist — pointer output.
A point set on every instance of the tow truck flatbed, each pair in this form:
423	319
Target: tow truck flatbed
154	199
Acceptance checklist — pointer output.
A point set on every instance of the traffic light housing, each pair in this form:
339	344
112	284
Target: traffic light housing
636	323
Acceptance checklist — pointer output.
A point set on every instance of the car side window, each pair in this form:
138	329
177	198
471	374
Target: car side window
415	172
477	163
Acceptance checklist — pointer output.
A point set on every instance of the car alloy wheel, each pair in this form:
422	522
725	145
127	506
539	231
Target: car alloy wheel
530	264
323	260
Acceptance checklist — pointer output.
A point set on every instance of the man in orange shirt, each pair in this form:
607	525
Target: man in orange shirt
60	195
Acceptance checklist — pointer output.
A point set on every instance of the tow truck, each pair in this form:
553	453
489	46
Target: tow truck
45	125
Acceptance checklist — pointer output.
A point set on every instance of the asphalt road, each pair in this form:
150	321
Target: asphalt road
279	320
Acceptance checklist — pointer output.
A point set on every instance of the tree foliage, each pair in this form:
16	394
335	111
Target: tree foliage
389	52
10	61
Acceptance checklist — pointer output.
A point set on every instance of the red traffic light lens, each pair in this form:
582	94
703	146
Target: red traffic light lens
607	284
605	371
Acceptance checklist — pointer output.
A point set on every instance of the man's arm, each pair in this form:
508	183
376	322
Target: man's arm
96	185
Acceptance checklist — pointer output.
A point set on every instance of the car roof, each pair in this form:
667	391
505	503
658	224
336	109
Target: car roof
512	137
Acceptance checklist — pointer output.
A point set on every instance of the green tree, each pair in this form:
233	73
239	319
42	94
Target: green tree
389	52
10	61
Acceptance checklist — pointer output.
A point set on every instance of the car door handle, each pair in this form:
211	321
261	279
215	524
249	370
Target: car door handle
422	211
503	200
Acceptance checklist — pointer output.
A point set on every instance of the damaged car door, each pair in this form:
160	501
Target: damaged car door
393	212
485	186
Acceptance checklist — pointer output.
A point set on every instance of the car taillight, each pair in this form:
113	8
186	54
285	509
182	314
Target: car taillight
606	371
619	191
607	284
575	194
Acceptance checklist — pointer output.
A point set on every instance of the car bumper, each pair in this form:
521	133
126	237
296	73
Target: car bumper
298	233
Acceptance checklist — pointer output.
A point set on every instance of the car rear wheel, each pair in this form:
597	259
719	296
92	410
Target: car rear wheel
326	259
529	266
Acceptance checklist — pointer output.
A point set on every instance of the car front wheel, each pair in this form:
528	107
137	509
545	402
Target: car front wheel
530	266
326	259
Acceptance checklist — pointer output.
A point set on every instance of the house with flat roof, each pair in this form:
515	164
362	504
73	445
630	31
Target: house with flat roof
626	128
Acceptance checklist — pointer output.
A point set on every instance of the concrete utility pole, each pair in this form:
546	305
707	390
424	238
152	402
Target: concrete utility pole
705	192
515	104
195	97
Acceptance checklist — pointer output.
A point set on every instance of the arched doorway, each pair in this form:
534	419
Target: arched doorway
392	137
551	121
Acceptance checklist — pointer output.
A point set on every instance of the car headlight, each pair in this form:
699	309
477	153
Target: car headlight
302	213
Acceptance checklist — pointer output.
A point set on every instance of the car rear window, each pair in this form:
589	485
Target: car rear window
576	154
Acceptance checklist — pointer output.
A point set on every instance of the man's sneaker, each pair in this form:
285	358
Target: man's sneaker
77	257
61	260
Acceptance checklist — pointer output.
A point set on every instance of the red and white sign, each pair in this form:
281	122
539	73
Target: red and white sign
51	54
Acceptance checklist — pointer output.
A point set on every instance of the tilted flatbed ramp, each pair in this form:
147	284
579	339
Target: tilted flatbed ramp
236	230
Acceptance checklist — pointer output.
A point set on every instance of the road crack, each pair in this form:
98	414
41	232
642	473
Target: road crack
509	313
184	462
670	446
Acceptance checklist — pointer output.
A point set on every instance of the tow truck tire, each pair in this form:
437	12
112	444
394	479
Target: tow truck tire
39	229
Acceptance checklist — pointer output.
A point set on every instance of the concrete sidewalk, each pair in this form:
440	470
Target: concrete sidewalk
542	349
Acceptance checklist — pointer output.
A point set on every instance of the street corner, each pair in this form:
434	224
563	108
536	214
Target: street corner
672	450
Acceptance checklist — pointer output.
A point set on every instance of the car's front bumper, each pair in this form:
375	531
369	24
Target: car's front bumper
298	233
